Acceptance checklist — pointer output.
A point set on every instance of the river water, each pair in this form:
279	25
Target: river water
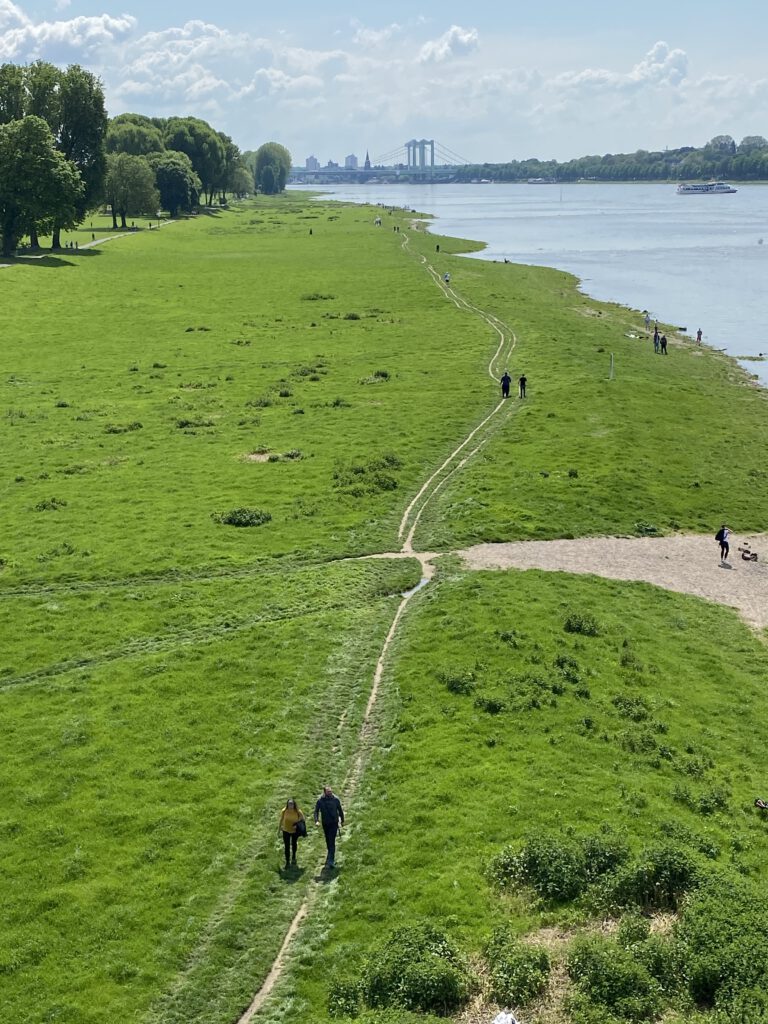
692	261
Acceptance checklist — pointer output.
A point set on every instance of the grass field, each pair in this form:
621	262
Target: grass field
168	678
509	726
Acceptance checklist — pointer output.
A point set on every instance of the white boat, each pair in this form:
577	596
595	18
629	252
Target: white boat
705	188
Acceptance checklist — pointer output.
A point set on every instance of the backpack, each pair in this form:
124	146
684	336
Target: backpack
720	535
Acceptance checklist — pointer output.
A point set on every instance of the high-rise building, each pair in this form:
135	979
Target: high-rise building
350	162
312	163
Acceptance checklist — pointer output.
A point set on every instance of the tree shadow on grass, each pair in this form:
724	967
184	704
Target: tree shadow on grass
51	259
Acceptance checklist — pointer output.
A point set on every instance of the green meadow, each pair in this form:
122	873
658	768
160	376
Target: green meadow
205	428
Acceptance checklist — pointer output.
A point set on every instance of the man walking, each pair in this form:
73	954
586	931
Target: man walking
698	336
721	537
656	339
328	809
663	344
506	380
522	382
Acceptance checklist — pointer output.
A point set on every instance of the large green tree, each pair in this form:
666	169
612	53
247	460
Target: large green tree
130	187
272	165
38	185
203	146
136	139
82	133
12	93
177	181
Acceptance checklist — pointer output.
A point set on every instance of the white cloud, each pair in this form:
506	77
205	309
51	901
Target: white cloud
374	37
22	39
375	86
456	42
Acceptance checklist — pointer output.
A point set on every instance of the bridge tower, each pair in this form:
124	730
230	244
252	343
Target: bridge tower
417	155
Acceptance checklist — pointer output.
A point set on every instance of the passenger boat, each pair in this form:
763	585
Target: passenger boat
705	188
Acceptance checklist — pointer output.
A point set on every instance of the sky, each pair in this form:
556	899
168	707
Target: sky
489	81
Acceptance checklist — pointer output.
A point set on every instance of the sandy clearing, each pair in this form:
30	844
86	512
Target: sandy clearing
686	564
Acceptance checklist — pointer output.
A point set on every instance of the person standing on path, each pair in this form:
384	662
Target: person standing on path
289	826
647	321
721	537
663	344
506	380
656	339
698	336
521	384
328	809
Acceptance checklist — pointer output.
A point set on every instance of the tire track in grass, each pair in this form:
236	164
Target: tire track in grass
453	464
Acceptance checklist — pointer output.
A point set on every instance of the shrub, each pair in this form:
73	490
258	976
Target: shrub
491	705
457	680
351	316
50	505
581	622
185	424
559	867
285	392
604	854
518	972
723	938
610	977
122	428
344	997
417	969
243	517
644	529
657	880
553	866
317	296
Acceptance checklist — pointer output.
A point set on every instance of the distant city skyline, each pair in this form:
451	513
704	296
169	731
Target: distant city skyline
555	81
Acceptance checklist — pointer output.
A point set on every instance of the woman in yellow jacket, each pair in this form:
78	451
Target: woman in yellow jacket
289	820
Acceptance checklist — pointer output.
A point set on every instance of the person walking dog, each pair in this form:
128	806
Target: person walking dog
328	809
292	825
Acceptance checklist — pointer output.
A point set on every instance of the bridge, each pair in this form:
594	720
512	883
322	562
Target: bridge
418	160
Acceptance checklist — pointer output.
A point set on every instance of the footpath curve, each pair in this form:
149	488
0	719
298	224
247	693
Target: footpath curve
457	459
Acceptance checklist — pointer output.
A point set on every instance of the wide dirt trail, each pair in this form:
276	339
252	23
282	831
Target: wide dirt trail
685	564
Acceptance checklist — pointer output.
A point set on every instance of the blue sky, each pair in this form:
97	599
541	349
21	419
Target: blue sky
490	81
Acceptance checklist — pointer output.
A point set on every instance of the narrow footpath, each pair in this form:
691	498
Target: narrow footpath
454	463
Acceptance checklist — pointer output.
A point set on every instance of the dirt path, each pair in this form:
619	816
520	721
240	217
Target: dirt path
452	465
686	564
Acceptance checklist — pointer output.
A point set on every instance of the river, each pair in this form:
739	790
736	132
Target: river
692	261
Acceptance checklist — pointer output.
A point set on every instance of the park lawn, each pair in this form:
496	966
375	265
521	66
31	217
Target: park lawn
167	678
673	443
139	378
138	811
52	630
537	744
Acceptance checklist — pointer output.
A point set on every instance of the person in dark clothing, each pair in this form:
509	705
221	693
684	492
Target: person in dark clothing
506	380
522	382
328	809
663	344
655	339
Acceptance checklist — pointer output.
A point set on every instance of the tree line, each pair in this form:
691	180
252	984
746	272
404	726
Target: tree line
61	156
721	157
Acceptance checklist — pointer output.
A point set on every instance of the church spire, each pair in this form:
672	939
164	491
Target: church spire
367	164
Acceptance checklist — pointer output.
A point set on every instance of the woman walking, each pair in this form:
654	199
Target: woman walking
289	826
